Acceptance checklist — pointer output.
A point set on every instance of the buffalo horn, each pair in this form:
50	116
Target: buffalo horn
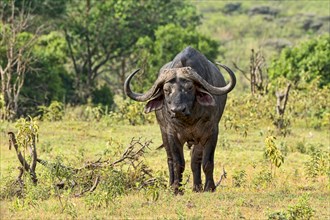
213	89
137	96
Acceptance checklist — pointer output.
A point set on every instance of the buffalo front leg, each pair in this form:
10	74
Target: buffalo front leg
208	161
178	162
169	158
196	162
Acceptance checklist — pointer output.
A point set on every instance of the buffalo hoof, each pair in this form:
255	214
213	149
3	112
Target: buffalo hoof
198	188
177	190
209	186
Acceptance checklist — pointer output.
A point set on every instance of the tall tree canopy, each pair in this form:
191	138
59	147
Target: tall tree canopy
101	35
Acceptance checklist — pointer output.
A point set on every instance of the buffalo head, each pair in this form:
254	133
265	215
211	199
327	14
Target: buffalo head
178	90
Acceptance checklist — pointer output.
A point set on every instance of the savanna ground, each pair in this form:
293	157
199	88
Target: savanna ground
253	188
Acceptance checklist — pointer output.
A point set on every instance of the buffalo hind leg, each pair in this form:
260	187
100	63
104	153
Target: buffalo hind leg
196	162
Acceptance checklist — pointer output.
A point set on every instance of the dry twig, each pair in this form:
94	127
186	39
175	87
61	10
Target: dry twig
223	176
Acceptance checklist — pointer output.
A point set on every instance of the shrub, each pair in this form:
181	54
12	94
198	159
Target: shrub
273	153
239	178
54	112
318	163
302	210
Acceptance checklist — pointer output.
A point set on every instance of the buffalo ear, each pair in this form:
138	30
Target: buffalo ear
154	104
204	97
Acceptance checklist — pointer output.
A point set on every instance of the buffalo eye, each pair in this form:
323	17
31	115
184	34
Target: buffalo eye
188	86
167	89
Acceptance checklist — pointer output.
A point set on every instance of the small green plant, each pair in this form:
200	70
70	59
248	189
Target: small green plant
262	179
131	112
272	153
318	163
278	215
300	146
54	112
239	178
301	210
112	184
94	113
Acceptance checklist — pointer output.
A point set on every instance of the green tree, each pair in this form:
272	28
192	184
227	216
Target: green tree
307	61
169	40
47	79
101	36
16	43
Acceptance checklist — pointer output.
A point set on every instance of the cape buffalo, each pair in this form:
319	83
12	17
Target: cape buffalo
189	97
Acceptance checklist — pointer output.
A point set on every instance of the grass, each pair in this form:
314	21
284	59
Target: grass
255	199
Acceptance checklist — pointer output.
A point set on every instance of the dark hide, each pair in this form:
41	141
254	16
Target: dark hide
188	113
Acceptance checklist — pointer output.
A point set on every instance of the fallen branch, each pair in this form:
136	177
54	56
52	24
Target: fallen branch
129	154
96	182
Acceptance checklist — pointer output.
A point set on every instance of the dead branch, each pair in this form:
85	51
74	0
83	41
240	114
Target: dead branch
242	71
222	177
96	182
24	163
19	178
130	154
282	99
186	181
13	142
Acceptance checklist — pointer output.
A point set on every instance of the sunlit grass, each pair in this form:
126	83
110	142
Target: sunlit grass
251	201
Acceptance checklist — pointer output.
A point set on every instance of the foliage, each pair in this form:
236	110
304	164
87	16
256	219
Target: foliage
318	163
103	96
304	62
54	112
48	79
239	178
131	112
313	106
93	51
28	130
301	210
272	152
169	40
43	8
244	112
263	179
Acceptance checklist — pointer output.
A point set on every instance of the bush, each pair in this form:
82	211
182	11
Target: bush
318	163
301	210
305	62
239	178
54	112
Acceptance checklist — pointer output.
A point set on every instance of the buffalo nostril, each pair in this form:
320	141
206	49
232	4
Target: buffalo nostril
178	109
182	110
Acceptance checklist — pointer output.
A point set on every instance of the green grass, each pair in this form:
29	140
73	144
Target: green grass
254	200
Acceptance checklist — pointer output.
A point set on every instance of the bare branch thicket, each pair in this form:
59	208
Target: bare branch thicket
18	55
131	156
256	75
